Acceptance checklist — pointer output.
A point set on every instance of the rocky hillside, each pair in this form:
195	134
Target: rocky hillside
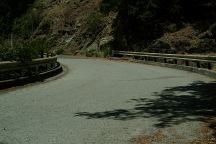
83	26
171	26
70	25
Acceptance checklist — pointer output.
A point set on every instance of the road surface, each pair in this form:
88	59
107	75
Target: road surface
107	102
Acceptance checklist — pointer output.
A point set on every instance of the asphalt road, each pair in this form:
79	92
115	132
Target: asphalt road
107	102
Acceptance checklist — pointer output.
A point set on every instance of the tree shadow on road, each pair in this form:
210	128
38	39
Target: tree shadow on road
172	106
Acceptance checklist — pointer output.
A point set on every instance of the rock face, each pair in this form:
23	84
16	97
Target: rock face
159	46
186	40
71	24
145	23
105	41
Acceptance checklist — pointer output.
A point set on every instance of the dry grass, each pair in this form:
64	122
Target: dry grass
208	133
157	136
68	20
186	37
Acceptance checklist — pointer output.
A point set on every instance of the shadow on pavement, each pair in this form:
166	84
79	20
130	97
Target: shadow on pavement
172	106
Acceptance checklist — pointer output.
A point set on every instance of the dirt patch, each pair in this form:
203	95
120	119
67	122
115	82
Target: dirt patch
208	133
157	136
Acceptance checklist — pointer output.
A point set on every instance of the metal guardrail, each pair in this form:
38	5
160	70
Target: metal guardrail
16	70
194	61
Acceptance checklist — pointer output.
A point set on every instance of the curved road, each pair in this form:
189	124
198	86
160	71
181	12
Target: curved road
107	102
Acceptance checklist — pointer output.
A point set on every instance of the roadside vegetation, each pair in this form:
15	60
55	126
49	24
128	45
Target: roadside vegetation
23	51
79	26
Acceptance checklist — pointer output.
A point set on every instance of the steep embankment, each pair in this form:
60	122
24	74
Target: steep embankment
80	26
69	25
74	24
170	26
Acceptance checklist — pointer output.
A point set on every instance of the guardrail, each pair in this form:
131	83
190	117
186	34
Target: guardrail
203	64
16	73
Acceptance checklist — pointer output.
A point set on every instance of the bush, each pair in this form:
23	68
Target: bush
106	52
23	50
91	52
40	45
6	52
59	51
25	25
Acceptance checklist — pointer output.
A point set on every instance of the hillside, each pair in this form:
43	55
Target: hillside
82	26
69	25
170	26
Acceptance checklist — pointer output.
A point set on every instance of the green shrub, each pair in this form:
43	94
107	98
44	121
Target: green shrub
5	54
40	45
90	53
107	51
26	25
95	53
59	51
22	50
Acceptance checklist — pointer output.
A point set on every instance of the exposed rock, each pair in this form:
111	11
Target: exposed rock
106	40
159	46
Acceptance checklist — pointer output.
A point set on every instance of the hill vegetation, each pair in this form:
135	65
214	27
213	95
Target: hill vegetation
81	26
170	26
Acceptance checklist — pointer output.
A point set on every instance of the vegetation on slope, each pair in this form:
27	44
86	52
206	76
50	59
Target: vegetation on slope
140	23
80	26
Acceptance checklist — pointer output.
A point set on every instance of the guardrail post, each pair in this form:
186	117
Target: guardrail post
198	64
175	61
41	54
186	63
209	66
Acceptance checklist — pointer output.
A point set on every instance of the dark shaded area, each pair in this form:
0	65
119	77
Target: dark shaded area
9	10
173	106
109	5
31	78
14	8
139	22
